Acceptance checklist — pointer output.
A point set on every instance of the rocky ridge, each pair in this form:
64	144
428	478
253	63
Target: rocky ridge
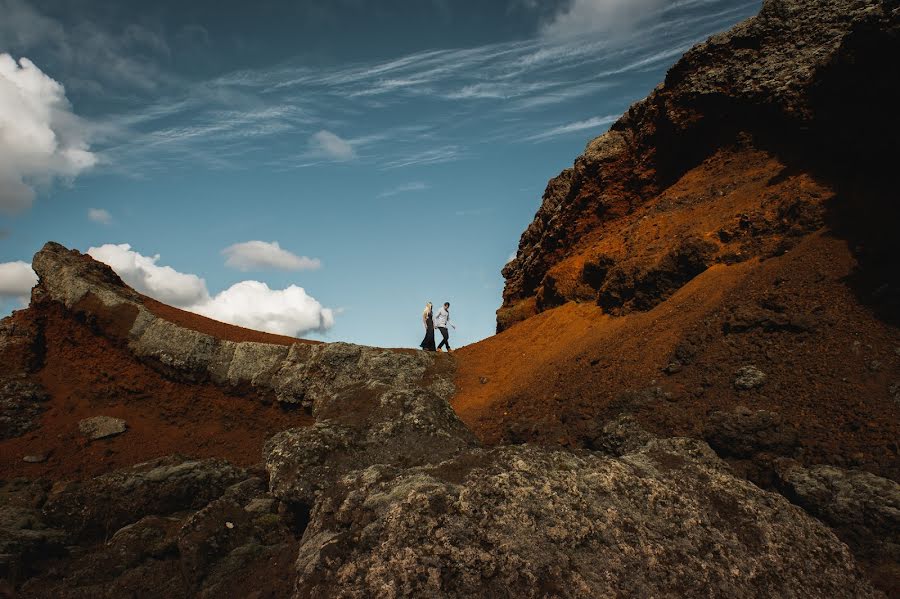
775	84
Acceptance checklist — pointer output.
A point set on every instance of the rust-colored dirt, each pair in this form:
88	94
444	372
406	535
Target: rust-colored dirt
89	375
553	377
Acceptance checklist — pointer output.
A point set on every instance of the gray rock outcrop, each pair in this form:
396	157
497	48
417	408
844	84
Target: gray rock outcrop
668	520
370	424
100	506
302	373
863	508
101	427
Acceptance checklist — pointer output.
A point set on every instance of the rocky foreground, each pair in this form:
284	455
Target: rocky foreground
387	493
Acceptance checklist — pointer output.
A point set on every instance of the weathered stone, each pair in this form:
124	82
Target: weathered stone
21	404
100	427
863	508
369	424
620	436
743	432
749	377
529	522
770	71
100	506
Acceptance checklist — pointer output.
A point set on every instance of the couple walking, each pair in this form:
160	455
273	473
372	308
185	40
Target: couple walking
441	322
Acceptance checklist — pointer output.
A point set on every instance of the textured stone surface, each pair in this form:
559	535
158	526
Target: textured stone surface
100	506
743	432
100	427
300	374
370	424
749	377
862	507
528	522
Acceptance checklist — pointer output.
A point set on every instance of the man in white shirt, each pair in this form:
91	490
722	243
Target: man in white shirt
441	321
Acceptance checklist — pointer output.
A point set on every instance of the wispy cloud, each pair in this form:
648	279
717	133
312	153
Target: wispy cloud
405	188
591	123
425	108
99	215
432	156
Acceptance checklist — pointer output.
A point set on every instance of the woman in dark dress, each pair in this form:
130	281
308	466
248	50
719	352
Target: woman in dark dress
428	342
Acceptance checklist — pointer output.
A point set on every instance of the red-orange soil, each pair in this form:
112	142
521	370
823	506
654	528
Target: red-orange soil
831	361
88	375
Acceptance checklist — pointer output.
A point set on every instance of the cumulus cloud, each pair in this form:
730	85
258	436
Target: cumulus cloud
598	16
40	138
16	280
257	255
250	304
144	274
99	215
327	144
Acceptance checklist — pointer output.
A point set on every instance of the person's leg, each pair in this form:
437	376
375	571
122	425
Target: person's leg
446	341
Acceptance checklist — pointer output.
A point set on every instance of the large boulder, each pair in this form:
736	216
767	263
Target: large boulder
364	425
668	520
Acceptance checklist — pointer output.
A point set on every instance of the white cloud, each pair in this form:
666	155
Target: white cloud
40	138
144	274
250	304
99	215
325	143
591	123
256	255
598	16
16	280
405	188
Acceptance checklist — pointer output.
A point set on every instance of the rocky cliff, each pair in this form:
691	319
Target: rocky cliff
680	182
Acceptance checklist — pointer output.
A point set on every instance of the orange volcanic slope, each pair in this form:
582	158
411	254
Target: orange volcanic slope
831	362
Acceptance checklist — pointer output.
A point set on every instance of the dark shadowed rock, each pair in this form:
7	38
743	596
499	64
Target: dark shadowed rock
743	432
784	71
21	403
863	508
528	522
100	506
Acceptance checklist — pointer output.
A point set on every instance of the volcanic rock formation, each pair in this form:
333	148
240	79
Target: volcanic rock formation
802	81
715	269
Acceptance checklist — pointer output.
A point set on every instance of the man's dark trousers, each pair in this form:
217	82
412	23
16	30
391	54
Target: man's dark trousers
446	336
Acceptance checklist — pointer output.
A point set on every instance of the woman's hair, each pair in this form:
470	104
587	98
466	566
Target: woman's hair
427	309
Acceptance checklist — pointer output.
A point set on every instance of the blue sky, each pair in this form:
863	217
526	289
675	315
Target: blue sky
401	147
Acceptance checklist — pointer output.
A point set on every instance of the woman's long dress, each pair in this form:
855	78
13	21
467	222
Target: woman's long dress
428	341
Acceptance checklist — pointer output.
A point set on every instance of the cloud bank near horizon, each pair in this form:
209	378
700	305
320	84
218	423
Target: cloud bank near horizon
251	304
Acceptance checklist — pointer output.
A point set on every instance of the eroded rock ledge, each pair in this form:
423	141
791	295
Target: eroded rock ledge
302	373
